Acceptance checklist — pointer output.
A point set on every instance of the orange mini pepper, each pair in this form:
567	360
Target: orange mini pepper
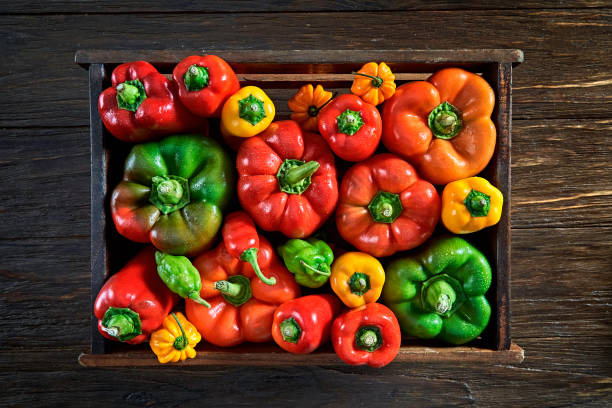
306	104
357	278
374	83
443	125
470	204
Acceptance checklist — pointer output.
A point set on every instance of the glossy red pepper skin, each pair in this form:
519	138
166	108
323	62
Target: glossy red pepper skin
314	314
222	84
420	206
347	325
226	325
239	234
364	142
161	113
137	286
258	162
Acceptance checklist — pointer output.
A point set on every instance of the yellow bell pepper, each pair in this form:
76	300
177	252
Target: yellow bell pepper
470	204
247	112
357	278
176	340
374	83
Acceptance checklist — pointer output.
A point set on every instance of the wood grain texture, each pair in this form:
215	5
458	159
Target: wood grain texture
561	290
242	6
545	90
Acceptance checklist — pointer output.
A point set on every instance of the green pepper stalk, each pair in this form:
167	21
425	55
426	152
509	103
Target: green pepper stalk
181	277
310	260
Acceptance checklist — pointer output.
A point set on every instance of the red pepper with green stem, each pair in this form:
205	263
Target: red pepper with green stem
301	325
351	127
134	301
367	335
242	305
205	83
287	179
242	242
143	104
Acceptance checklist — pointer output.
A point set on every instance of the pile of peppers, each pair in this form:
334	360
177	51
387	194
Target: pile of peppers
408	157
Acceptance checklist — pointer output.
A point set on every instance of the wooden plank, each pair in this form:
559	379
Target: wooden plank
243	6
305	56
99	187
502	73
273	356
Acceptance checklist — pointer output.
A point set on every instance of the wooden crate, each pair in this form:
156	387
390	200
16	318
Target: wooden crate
281	73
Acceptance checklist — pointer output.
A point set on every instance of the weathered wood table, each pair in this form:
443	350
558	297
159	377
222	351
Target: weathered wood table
561	218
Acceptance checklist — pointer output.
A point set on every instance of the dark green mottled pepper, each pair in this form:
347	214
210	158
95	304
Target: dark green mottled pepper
309	260
173	192
181	277
440	291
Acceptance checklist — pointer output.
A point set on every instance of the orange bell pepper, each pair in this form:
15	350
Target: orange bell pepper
306	104
443	125
242	306
374	83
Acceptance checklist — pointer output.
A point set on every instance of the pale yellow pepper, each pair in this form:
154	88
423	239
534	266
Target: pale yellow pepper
247	112
471	204
176	340
357	278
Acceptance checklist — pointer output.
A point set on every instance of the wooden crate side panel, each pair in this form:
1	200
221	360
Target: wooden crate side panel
99	160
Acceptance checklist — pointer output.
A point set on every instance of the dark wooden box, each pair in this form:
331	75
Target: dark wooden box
281	73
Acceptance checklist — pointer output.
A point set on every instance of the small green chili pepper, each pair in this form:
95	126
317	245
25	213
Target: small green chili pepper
309	260
181	277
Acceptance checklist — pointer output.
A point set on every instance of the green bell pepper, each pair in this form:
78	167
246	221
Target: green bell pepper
173	192
309	260
440	291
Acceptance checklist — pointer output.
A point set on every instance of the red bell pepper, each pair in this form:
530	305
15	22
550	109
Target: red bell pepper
242	242
205	83
287	179
367	335
142	104
134	301
301	325
242	306
351	126
385	207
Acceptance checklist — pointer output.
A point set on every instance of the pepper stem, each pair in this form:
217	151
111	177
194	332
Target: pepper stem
359	283
315	270
290	330
385	207
477	203
439	296
368	338
376	81
349	122
181	341
250	256
195	296
445	121
196	78
121	323
299	173
251	109
294	176
314	110
236	289
130	95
